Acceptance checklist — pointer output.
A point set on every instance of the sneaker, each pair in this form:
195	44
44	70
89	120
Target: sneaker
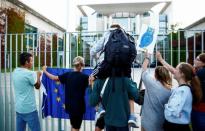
100	112
133	121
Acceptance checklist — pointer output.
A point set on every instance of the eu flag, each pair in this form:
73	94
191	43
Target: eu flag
54	97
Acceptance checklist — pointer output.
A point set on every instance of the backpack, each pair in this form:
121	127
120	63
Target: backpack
120	50
119	53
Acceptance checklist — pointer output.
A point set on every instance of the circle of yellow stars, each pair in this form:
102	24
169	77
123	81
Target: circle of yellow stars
58	99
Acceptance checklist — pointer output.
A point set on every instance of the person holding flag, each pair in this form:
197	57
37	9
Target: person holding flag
24	81
75	85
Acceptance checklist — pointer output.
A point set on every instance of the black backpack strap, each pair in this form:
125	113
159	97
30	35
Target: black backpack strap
186	85
140	84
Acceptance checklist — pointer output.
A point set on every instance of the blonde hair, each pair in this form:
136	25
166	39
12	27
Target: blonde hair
78	62
163	75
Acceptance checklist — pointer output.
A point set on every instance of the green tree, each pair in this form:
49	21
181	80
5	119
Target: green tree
15	25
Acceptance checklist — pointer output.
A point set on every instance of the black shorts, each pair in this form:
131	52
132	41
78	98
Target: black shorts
76	121
100	123
168	126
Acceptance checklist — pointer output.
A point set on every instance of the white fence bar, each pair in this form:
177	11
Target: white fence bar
1	90
179	46
187	50
64	49
16	50
10	71
45	63
77	45
22	43
51	52
194	47
5	87
39	51
171	51
70	61
156	49
52	120
202	41
58	63
10	89
39	67
64	65
58	66
164	48
51	64
45	42
33	50
27	42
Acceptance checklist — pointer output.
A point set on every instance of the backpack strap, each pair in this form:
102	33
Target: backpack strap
186	85
140	84
104	85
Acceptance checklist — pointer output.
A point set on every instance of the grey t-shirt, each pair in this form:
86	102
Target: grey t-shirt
156	96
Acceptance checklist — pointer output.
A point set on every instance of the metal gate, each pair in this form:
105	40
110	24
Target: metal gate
58	50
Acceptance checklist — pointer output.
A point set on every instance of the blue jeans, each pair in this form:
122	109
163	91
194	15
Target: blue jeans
198	120
30	118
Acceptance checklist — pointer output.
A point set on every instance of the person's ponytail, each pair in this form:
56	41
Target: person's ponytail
190	77
196	90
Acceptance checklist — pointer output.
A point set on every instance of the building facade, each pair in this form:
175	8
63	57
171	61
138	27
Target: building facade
30	31
131	15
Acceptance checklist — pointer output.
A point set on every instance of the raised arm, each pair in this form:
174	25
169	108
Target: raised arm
52	77
146	61
97	47
164	63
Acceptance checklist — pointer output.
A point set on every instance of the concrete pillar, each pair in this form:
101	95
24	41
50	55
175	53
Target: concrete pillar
138	24
105	23
110	21
129	24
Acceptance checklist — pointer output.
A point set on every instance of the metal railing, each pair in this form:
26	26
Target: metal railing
58	50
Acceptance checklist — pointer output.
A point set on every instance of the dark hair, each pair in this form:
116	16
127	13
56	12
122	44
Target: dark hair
115	26
24	57
202	57
190	76
163	75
